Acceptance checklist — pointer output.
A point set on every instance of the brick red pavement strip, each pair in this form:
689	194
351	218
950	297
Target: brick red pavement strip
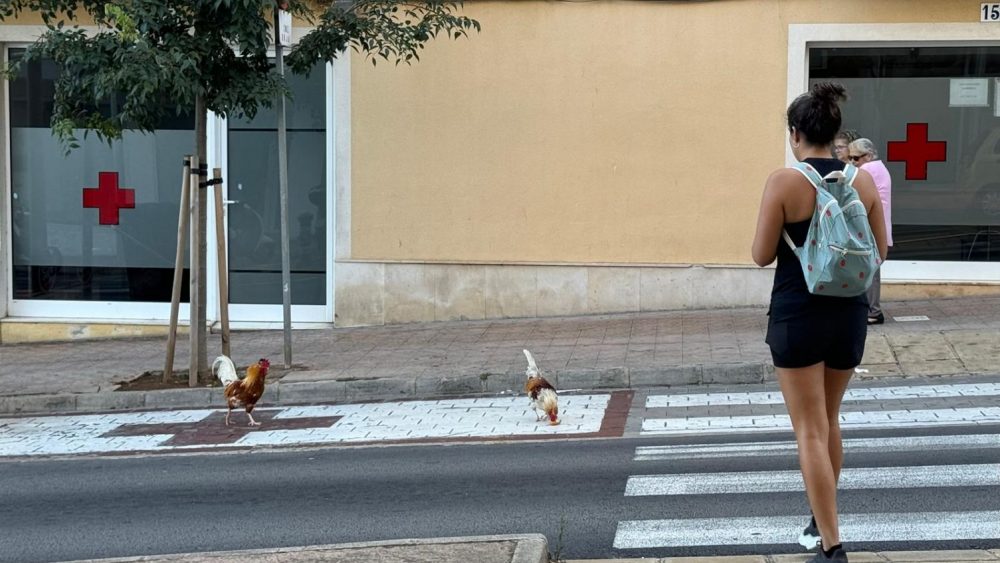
212	429
616	414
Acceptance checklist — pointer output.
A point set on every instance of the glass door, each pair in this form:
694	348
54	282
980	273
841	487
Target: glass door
253	208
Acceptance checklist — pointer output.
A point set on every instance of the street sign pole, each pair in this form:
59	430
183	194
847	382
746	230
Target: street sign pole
282	32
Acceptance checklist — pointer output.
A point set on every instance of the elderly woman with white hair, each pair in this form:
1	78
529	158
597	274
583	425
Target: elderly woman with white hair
862	153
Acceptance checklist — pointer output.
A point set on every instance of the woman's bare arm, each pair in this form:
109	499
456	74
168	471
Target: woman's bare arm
770	219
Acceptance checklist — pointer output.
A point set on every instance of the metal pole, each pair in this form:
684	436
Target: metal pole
286	275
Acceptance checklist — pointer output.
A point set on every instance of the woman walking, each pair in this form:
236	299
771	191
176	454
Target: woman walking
816	341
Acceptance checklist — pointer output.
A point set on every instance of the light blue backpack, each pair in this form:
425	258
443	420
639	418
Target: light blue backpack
839	256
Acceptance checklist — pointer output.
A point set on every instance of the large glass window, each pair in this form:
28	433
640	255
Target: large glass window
953	211
60	248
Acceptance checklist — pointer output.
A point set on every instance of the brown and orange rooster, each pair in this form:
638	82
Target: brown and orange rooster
246	391
542	393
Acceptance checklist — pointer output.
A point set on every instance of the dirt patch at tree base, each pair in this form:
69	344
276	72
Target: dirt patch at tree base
153	380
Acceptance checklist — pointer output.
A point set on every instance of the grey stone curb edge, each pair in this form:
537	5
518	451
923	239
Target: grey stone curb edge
529	548
389	388
395	388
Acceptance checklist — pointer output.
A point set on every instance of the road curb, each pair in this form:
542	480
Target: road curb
390	388
395	388
528	548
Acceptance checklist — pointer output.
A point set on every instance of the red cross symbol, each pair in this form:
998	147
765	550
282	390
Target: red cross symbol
917	151
108	197
212	430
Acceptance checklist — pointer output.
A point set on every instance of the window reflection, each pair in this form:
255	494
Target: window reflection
60	251
255	214
954	214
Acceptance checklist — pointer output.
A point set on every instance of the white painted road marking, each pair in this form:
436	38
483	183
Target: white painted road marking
370	422
895	527
848	420
911	318
851	445
853	394
973	475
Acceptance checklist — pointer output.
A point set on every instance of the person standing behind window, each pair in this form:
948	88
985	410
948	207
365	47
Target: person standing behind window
840	143
816	341
863	154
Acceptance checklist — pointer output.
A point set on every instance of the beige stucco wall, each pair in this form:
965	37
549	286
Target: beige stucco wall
573	158
595	132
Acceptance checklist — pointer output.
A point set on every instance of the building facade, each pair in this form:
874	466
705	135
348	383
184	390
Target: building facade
572	158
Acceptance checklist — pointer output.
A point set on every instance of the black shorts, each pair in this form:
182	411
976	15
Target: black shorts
835	336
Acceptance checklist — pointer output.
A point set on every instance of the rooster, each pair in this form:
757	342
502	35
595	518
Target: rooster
542	393
246	391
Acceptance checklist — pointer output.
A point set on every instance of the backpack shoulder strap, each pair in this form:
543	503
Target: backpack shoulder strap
848	174
809	172
788	239
814	178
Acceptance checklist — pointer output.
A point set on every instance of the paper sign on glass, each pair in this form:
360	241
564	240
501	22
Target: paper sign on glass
969	92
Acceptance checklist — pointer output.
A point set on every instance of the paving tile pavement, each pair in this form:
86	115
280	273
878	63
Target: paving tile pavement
961	336
384	422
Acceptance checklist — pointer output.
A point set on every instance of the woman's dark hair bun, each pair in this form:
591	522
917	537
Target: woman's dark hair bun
816	114
830	92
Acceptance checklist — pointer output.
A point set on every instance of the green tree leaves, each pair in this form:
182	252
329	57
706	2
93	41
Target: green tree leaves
149	58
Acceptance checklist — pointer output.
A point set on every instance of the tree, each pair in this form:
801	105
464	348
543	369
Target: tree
156	57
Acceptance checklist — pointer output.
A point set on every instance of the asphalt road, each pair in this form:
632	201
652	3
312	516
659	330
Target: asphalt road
64	509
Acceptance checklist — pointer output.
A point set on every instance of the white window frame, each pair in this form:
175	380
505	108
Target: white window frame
803	36
242	316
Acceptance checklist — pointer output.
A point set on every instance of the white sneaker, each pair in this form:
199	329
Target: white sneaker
810	538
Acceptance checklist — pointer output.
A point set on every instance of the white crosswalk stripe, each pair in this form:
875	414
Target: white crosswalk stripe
851	445
857	394
674	418
848	420
904	527
970	475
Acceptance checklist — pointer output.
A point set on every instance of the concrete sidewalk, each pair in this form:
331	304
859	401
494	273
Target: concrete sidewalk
523	548
960	336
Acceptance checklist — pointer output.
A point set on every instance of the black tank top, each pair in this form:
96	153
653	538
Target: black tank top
790	296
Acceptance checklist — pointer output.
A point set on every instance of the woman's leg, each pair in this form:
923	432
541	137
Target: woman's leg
835	381
804	391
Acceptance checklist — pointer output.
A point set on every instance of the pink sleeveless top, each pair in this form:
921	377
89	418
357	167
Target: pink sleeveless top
884	184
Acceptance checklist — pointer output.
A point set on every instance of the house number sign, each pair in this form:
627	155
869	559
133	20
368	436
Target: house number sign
990	12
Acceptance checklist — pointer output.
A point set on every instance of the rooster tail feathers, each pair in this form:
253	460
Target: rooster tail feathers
532	366
549	401
223	367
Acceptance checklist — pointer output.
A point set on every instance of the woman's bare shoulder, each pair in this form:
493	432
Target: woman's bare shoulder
784	177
